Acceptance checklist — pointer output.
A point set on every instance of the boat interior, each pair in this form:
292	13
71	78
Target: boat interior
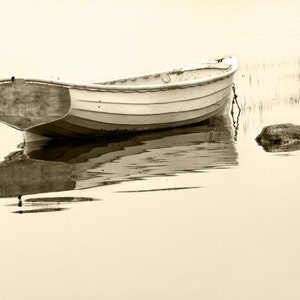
172	77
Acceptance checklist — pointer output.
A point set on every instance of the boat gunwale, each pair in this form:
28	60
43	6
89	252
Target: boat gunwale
231	62
153	103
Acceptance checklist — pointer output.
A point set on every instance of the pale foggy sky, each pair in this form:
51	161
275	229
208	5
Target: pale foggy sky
94	40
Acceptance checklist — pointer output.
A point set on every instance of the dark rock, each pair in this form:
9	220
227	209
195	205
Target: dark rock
280	137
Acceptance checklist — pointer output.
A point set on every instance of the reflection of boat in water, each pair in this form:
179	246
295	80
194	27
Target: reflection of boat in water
21	175
114	160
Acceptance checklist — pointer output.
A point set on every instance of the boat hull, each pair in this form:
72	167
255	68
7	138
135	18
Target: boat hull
112	113
55	109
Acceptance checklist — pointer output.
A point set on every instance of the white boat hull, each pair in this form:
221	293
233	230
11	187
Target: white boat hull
99	109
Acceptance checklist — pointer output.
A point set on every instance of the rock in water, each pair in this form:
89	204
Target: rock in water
279	136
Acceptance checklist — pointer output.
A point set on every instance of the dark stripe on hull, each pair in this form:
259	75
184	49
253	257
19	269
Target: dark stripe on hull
159	101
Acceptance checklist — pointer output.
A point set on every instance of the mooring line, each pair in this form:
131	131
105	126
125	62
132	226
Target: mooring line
235	120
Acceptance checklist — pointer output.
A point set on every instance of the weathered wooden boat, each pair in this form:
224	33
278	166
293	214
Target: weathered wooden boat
161	100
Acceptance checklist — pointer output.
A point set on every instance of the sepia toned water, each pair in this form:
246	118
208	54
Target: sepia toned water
200	212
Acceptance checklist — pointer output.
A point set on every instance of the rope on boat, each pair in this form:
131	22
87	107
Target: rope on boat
235	120
220	59
235	96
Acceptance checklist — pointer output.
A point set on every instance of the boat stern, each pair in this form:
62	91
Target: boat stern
25	103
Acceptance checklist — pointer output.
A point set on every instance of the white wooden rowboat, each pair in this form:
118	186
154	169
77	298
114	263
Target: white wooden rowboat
166	99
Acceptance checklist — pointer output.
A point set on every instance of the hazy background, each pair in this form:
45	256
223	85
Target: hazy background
90	40
236	236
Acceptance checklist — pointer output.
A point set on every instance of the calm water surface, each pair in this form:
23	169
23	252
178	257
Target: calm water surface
193	213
